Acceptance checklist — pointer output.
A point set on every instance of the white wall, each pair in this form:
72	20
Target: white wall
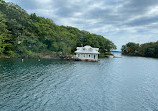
86	56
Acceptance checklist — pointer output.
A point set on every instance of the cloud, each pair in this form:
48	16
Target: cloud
143	21
121	21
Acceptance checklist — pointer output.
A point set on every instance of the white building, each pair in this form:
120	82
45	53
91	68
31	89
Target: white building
87	53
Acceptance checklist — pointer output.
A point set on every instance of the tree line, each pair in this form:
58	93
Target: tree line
22	34
146	49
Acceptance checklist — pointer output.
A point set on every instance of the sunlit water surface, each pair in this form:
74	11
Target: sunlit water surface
111	84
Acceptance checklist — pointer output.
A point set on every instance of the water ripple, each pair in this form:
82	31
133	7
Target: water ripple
57	85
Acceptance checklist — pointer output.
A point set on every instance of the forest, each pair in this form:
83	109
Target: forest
145	50
29	35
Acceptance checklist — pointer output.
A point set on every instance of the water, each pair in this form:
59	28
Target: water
112	84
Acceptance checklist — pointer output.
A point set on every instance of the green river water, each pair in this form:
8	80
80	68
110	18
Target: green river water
111	84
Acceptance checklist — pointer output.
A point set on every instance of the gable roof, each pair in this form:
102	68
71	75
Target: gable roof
87	50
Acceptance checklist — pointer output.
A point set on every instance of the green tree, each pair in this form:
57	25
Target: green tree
5	45
146	49
130	49
32	35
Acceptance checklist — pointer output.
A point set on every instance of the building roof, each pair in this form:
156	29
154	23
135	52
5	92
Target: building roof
87	50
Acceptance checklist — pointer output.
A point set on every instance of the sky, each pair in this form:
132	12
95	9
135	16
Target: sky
121	21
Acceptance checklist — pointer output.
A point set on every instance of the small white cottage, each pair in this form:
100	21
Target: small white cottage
87	53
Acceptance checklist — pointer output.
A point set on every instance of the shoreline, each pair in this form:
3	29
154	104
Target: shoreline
36	57
138	56
48	56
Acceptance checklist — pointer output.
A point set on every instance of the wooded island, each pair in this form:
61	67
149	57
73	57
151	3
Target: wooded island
27	35
145	50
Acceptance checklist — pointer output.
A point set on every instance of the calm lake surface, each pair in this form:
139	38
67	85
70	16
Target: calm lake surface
111	84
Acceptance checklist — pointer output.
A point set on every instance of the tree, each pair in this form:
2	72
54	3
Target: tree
130	49
33	35
5	44
146	49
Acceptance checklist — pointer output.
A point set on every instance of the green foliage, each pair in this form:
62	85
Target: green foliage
146	50
5	40
130	48
28	35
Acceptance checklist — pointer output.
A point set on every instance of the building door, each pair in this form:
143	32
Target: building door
94	56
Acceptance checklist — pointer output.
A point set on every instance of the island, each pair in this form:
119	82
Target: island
29	35
145	50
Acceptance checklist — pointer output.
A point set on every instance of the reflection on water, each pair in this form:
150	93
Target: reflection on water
112	84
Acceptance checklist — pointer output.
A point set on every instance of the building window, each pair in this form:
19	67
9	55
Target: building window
94	56
78	55
90	49
84	55
89	56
